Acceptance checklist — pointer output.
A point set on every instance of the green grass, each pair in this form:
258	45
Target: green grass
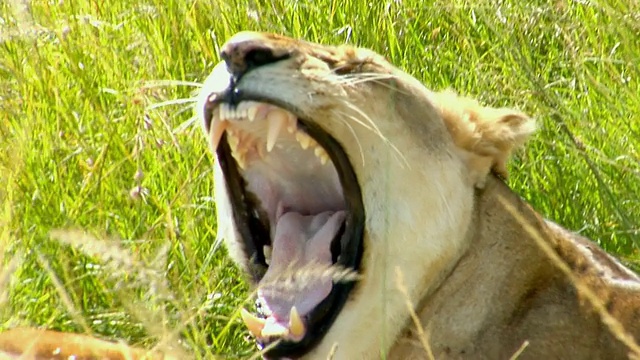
84	148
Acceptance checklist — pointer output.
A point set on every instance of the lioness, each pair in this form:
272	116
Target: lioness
372	217
330	159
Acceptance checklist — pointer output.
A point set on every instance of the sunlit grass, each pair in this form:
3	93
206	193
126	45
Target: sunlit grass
85	148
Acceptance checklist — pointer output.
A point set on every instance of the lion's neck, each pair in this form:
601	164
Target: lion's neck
500	268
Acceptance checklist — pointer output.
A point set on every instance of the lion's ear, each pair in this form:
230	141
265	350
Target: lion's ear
485	136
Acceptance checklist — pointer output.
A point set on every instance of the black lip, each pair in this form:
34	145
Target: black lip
253	233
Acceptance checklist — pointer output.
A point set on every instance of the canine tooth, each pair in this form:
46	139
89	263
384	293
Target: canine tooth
267	254
217	130
277	119
254	323
296	326
303	139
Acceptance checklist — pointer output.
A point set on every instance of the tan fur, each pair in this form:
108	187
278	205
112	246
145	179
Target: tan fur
486	135
35	344
475	270
486	276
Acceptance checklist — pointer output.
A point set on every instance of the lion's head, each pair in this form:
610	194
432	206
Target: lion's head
334	171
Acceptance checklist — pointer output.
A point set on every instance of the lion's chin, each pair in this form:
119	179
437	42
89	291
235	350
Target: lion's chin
298	211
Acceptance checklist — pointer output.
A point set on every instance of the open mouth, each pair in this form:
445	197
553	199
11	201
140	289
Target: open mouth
298	210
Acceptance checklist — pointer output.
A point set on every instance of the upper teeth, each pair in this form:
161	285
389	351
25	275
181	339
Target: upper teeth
244	110
225	116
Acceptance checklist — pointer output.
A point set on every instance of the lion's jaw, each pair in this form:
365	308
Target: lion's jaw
394	139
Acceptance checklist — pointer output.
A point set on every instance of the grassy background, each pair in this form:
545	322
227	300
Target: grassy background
94	141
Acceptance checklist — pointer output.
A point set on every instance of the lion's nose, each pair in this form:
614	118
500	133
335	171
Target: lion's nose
247	51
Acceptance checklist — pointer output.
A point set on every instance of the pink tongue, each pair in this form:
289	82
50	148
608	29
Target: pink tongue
301	255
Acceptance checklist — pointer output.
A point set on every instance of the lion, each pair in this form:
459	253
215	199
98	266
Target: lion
329	158
38	344
372	217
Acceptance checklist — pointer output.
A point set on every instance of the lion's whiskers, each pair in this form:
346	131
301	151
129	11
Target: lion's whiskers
161	104
185	124
165	83
361	118
338	115
361	78
189	101
356	79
